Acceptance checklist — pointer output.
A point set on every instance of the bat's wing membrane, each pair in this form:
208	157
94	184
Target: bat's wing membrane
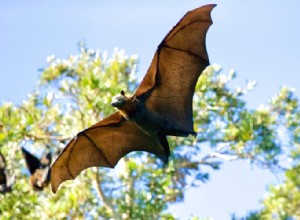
102	144
3	177
167	89
32	162
6	181
169	84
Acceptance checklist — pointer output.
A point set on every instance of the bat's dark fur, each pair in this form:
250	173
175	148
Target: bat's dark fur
5	179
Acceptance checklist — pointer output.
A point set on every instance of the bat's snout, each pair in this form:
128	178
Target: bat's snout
114	104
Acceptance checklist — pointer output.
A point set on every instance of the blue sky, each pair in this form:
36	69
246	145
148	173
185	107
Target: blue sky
259	39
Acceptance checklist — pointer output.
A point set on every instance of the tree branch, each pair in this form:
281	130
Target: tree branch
45	137
106	201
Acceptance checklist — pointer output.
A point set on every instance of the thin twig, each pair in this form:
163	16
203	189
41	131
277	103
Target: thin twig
107	203
46	137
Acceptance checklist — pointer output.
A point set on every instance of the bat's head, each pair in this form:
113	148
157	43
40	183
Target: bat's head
119	100
38	180
46	159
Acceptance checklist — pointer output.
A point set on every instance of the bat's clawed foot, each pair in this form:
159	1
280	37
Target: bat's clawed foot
165	161
165	164
194	134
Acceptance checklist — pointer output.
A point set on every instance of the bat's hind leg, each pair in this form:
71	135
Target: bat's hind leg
175	131
164	142
181	133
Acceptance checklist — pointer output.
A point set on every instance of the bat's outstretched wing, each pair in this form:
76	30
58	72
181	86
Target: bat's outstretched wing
102	144
169	84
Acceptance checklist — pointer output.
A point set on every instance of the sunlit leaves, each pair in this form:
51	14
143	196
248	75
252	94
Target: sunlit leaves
283	201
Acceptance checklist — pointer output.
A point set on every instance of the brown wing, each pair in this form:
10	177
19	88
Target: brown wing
169	84
103	144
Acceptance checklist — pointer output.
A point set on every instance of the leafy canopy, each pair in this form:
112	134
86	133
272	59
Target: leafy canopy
75	93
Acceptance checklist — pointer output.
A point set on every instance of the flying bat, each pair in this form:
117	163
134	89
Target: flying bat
161	106
5	180
39	169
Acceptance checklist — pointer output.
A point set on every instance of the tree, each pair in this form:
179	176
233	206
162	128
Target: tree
74	93
283	200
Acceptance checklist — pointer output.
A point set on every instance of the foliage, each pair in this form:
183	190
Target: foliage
282	200
74	93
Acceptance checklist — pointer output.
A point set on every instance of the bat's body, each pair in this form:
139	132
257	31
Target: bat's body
161	106
5	180
150	122
39	169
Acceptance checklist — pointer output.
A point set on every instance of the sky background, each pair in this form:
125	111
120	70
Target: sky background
259	39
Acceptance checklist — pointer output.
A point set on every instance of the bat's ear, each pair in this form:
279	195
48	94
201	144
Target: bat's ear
122	93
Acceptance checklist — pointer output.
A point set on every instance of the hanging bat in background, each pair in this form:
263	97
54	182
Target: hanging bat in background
161	106
5	180
39	169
